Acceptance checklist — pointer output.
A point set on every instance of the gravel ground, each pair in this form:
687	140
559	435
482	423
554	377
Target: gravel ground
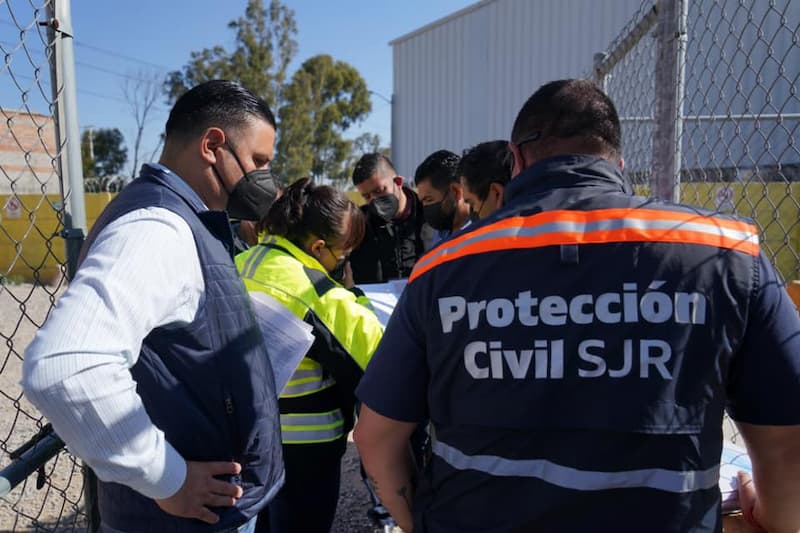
56	507
351	515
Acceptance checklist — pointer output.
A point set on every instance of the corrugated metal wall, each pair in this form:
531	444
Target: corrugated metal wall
461	81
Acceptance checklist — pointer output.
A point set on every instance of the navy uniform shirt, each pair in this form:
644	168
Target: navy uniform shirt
530	438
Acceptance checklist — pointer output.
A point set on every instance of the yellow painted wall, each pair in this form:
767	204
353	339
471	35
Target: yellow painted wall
27	244
30	247
775	207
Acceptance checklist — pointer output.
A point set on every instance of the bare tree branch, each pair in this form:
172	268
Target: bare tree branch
141	90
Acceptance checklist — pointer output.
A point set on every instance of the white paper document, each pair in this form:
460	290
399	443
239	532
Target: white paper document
286	337
384	296
734	459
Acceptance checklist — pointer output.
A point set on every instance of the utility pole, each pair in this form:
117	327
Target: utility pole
392	135
91	141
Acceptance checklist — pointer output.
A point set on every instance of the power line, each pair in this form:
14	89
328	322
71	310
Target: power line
121	56
114	73
45	84
101	50
87	65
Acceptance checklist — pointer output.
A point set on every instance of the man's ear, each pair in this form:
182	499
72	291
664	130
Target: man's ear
497	189
211	141
621	163
518	163
457	190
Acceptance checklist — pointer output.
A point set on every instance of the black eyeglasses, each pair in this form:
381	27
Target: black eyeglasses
335	257
508	161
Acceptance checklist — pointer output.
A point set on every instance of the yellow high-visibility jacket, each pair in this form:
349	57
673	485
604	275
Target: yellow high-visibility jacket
317	403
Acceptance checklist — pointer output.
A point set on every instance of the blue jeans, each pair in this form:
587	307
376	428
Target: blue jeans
249	527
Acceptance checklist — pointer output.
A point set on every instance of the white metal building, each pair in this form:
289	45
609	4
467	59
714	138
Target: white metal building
461	80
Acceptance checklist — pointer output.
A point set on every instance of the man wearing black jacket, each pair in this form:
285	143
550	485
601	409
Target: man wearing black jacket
397	234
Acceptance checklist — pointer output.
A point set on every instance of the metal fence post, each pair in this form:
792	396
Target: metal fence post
669	84
600	72
68	133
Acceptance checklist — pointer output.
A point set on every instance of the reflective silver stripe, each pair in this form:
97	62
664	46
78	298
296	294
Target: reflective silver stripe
303	373
249	262
572	478
599	225
308	386
311	435
250	269
323	419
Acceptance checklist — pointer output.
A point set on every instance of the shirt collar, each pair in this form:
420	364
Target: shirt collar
176	183
565	171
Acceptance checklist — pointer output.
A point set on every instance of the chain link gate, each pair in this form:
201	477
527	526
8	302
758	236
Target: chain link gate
33	256
707	93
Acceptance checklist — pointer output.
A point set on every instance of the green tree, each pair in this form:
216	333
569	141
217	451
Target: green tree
105	152
363	144
367	143
324	98
264	47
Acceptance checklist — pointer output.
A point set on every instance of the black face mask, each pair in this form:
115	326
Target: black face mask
253	195
386	206
436	216
338	271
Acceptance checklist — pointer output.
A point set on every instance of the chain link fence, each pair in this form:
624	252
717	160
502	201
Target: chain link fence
733	146
707	93
32	256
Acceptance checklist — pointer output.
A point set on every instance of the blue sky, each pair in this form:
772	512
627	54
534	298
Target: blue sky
115	39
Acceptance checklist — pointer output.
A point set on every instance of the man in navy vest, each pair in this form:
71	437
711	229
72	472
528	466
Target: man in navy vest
151	367
575	352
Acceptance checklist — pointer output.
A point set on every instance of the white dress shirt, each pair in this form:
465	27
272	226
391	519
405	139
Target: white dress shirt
141	272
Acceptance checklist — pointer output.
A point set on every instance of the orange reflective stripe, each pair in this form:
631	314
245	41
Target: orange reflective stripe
595	227
600	214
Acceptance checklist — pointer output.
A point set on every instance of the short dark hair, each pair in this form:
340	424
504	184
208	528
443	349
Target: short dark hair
307	209
484	164
369	165
221	103
571	109
440	168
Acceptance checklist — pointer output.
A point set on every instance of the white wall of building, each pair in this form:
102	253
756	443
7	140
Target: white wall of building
461	80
